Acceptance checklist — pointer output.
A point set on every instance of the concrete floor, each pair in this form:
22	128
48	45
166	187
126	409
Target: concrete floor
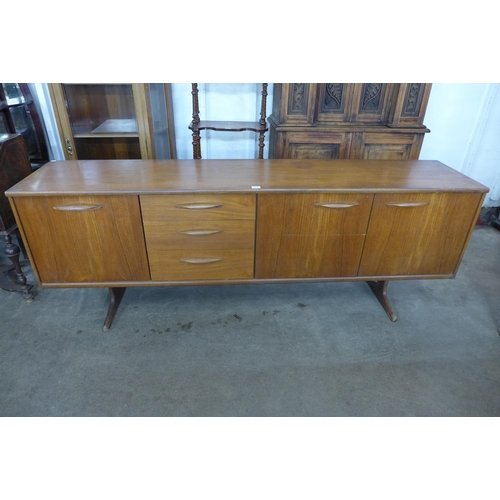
260	350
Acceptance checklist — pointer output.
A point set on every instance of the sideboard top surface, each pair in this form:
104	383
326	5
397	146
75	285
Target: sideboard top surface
242	176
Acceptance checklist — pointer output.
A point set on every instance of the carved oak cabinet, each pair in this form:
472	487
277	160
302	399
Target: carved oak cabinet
117	224
348	120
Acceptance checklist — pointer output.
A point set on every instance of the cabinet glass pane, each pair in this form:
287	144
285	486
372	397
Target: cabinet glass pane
108	148
101	109
13	93
158	111
4	129
24	125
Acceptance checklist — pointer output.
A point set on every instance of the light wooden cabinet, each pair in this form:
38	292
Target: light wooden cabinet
114	121
86	238
348	120
199	236
311	235
417	234
244	221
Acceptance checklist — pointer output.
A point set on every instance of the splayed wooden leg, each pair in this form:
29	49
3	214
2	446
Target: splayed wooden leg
379	288
115	297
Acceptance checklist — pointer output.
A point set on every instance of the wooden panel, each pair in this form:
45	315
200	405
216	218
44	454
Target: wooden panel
418	234
310	235
14	166
166	235
195	207
386	146
106	148
201	264
85	239
334	102
226	176
371	103
297	102
411	103
320	145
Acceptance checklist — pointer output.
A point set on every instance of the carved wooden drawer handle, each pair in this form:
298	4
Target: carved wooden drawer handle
77	208
337	205
199	232
198	206
405	204
207	260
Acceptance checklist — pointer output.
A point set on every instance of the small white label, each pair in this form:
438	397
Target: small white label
255	187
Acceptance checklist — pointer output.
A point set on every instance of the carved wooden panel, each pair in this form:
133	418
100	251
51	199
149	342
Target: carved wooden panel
333	98
297	98
410	105
333	102
371	103
296	103
413	99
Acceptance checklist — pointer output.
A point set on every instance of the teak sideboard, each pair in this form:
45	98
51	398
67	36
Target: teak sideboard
121	223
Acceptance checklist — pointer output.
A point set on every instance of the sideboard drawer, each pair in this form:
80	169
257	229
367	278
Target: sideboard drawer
201	264
164	235
199	237
190	207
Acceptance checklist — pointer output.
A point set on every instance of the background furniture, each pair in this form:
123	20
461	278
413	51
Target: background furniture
244	221
14	166
197	125
348	120
114	121
19	115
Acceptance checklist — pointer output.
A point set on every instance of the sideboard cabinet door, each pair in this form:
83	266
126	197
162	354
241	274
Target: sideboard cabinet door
418	234
85	239
310	235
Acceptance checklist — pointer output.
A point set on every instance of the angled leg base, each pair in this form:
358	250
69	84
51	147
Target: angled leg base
115	297
379	288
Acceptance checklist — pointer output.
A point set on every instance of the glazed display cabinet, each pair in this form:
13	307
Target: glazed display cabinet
115	120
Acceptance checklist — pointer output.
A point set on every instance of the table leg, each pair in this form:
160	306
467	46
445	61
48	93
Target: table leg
379	288
115	297
12	253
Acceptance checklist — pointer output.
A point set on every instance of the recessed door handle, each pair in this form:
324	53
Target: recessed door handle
77	208
198	206
408	204
199	232
200	260
337	205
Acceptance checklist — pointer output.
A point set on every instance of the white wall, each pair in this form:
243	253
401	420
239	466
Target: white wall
219	101
464	120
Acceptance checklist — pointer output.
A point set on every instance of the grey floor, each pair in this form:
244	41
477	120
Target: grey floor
260	350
